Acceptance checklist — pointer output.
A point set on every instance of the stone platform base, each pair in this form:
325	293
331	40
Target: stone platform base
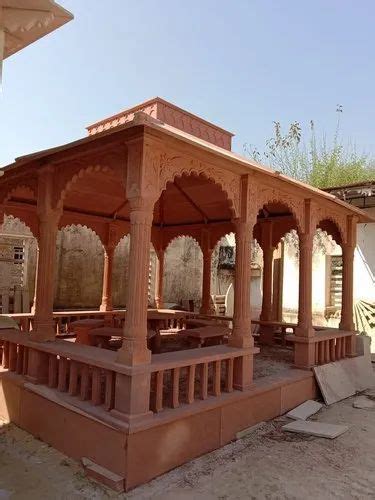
167	440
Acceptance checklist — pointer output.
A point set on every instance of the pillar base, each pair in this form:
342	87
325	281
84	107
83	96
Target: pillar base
266	335
243	373
105	307
241	342
304	354
133	353
304	331
347	326
37	367
159	304
43	332
351	346
132	397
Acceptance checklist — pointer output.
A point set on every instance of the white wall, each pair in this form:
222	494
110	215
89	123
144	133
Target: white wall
364	261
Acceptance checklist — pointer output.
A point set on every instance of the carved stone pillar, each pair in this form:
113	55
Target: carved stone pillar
347	322
304	348
106	304
266	314
44	328
134	349
266	332
159	279
242	335
207	306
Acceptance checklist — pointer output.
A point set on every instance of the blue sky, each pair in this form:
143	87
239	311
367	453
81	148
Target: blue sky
239	64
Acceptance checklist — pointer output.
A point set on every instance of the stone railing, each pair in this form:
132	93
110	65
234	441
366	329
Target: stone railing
79	371
88	377
183	377
329	345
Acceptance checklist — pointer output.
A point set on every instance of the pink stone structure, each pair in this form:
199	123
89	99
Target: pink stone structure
156	172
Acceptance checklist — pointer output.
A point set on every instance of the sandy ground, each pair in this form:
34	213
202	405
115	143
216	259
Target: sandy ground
267	464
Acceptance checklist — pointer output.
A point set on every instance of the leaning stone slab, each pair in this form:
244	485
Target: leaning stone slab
319	429
305	410
360	372
364	403
334	382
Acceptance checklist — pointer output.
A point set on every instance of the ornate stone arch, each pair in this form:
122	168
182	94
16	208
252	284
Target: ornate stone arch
260	196
180	236
337	234
7	192
91	227
321	214
177	166
67	177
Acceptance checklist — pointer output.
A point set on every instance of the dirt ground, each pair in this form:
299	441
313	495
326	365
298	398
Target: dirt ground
267	464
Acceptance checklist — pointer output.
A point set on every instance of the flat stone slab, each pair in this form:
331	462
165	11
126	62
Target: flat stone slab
334	382
319	429
305	410
364	403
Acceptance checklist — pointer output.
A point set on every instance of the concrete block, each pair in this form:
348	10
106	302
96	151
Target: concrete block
305	410
319	429
334	382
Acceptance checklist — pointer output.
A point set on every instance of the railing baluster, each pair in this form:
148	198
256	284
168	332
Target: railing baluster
5	360
217	378
85	383
25	360
109	390
175	387
12	357
316	353
204	380
321	353
338	348
73	378
332	349
96	392
191	384
52	371
229	377
343	348
20	356
63	373
159	387
327	354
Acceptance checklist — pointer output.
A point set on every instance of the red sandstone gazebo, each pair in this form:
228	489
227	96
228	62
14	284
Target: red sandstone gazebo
156	172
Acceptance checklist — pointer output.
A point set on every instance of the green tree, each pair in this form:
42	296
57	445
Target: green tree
315	161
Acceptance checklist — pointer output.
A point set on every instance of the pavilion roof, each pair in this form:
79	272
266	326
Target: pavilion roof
238	163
